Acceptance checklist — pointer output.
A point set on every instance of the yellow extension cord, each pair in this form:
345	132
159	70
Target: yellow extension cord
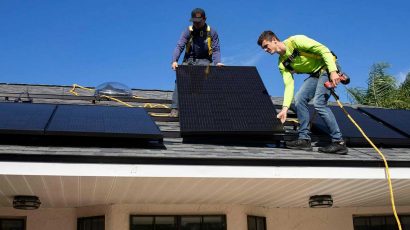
146	105
340	105
384	160
381	155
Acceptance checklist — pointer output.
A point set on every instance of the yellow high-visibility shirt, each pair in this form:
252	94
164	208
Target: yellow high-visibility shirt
317	56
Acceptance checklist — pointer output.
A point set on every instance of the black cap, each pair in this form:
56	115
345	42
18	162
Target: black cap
197	15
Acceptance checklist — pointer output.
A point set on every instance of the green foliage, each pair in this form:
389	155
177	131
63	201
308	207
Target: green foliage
382	90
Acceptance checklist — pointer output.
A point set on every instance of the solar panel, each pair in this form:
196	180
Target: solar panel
227	100
376	131
103	121
24	118
395	118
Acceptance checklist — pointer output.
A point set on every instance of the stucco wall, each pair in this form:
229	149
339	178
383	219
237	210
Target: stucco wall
45	219
317	219
117	216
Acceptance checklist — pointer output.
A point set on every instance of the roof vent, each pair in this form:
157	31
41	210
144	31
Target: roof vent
321	201
113	89
26	202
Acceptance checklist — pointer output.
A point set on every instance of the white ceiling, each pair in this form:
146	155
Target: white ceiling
77	191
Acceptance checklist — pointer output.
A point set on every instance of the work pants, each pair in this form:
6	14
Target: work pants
313	88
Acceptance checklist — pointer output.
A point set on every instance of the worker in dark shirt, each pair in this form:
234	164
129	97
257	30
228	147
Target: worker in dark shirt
200	41
201	44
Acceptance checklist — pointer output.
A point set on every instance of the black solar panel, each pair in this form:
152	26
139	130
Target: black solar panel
376	131
24	118
224	100
103	121
227	79
395	118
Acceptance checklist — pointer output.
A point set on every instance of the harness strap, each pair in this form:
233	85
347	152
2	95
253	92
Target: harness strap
288	61
191	38
208	33
189	44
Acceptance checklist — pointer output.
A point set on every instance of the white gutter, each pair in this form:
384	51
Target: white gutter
135	170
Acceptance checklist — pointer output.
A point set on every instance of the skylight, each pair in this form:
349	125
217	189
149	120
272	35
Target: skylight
113	89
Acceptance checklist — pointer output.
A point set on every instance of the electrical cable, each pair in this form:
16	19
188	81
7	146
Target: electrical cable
387	170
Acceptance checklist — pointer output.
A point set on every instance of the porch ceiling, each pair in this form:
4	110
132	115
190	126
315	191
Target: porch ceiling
78	191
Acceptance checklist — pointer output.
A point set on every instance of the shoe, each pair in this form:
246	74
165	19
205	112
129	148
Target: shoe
300	144
335	148
174	113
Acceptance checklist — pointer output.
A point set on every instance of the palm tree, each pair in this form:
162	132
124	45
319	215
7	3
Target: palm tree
383	90
404	90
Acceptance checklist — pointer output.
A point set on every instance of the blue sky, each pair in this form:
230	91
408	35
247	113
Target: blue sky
89	42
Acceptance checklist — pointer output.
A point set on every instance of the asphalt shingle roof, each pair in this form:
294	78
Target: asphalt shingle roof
175	150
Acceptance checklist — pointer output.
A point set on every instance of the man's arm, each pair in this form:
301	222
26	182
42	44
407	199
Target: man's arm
288	93
179	48
289	83
216	51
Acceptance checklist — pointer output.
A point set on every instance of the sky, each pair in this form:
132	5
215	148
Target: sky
89	42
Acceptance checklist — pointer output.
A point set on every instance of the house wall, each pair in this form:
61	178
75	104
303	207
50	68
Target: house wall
44	219
117	216
319	219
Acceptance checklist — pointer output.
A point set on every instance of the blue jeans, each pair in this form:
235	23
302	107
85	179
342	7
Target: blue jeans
189	61
313	88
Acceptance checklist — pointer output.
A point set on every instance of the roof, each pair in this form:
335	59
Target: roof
175	151
266	176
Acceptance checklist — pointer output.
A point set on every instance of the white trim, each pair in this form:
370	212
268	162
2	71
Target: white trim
127	170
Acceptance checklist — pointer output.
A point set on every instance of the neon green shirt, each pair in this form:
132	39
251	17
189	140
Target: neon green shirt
317	56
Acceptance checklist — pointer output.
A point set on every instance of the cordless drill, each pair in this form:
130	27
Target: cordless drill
344	79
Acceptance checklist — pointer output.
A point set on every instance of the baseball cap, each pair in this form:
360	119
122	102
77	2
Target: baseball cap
197	15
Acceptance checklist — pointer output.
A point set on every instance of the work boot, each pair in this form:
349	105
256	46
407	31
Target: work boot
300	144
174	113
335	148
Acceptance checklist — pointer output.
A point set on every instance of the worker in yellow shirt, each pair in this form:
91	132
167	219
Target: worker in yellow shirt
301	54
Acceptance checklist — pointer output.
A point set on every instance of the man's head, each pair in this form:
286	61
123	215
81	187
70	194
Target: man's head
269	42
198	17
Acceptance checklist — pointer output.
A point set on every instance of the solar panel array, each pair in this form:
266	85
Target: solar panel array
397	119
77	121
24	118
102	121
378	132
225	100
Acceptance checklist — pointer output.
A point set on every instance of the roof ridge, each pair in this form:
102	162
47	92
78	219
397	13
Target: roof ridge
69	86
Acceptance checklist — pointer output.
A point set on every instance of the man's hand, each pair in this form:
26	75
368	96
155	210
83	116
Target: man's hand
174	65
219	64
283	114
335	78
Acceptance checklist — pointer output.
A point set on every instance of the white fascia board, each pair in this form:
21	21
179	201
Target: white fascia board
189	171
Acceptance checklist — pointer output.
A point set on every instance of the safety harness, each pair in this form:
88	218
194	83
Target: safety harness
288	61
191	39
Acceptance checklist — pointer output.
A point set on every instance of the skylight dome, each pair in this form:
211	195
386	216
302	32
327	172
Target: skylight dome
113	89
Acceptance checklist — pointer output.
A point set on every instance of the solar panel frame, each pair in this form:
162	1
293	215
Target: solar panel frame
215	101
376	131
391	117
103	121
24	118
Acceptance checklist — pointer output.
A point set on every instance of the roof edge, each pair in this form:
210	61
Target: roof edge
189	171
198	161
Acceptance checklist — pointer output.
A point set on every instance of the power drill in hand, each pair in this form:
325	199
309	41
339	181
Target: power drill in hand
344	79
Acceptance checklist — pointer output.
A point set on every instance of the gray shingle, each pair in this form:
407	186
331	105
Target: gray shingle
174	146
